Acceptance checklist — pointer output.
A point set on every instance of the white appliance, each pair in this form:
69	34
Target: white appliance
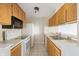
30	31
26	46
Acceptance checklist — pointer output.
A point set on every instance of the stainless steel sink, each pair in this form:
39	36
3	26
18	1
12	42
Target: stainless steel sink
58	37
23	37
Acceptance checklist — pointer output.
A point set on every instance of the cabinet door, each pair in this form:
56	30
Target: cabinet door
52	49
71	12
24	17
5	13
50	22
20	14
48	46
61	15
55	20
16	10
57	51
16	51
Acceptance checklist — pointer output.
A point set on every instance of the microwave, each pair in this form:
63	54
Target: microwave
15	24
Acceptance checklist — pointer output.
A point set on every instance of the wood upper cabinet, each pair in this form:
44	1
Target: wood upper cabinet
67	13
16	51
5	13
24	17
55	20
62	15
18	12
15	10
10	9
71	9
50	22
52	49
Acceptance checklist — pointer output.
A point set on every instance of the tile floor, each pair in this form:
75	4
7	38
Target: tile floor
38	50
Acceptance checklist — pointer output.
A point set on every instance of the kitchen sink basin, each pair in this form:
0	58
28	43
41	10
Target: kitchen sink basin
23	37
57	38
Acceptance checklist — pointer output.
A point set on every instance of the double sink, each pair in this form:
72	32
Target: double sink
22	37
57	37
66	39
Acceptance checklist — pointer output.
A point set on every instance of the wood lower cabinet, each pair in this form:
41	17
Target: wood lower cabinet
16	51
52	49
5	13
48	47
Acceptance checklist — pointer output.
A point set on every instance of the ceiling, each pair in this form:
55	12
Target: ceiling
45	9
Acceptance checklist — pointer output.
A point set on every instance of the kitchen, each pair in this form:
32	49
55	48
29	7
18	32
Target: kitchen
38	29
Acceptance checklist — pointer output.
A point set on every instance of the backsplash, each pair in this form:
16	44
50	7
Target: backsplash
65	29
10	33
13	33
68	29
50	30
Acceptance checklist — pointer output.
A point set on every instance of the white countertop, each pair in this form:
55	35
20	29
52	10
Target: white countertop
68	48
10	43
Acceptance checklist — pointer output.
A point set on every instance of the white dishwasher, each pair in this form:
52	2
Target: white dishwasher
26	46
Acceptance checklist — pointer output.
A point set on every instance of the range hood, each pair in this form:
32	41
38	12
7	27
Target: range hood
15	24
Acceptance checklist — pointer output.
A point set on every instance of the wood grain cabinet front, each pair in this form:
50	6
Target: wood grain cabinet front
50	22
5	13
18	12
67	13
15	9
52	49
61	15
7	10
16	51
71	11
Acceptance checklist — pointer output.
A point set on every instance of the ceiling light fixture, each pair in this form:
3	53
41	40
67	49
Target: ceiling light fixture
36	9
